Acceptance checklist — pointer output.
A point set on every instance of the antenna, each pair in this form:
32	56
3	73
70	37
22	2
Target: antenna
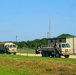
50	27
47	34
16	38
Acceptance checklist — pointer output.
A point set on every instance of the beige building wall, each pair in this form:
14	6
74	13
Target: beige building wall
72	42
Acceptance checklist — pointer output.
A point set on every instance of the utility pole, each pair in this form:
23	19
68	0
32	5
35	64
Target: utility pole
16	39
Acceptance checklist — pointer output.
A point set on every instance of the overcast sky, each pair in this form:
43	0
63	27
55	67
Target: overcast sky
29	19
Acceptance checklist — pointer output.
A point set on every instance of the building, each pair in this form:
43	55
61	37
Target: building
70	40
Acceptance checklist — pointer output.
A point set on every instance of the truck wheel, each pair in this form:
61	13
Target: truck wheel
14	53
66	56
57	55
8	53
52	56
43	53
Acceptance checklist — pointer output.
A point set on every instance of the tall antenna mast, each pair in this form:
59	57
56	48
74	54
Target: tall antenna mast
16	39
50	27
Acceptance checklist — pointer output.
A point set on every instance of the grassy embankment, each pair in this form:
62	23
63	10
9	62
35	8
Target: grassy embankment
26	65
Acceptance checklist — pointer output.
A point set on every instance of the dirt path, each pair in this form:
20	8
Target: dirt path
24	54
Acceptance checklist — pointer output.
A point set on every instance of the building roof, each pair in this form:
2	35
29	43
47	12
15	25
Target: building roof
61	38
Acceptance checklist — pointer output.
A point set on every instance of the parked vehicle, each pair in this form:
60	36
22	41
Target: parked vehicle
37	51
58	49
8	48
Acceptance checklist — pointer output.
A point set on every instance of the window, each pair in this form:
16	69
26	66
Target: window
10	46
60	40
14	46
63	45
67	45
51	40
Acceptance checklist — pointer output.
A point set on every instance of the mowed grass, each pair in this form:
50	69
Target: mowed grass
27	50
27	65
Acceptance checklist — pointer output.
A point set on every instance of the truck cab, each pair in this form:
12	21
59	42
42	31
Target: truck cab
65	49
11	48
8	48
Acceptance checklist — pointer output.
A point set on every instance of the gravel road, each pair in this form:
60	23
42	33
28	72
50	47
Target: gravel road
24	54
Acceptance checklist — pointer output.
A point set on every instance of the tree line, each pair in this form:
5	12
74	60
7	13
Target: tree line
37	42
32	44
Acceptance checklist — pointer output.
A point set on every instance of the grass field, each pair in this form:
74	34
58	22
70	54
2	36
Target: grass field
27	65
27	50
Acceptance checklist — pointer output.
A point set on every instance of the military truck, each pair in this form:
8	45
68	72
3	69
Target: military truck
8	48
56	49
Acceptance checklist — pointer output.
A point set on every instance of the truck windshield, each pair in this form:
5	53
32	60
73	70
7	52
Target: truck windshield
12	46
65	46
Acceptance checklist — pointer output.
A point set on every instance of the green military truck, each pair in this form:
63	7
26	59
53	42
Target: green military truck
8	48
56	48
